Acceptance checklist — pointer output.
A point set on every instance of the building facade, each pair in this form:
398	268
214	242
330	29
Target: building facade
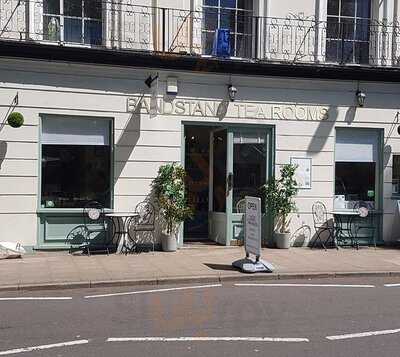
288	89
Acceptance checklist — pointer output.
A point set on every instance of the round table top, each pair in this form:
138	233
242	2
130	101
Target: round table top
122	214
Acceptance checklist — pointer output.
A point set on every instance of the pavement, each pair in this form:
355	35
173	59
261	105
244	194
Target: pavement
195	263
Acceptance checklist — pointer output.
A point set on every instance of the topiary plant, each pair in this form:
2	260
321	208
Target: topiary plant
169	189
15	120
279	196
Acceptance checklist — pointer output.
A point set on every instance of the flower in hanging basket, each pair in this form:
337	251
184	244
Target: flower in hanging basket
15	120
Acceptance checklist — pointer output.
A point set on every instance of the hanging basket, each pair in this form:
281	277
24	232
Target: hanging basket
15	120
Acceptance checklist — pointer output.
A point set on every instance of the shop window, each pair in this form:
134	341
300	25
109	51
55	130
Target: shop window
348	31
73	21
233	15
76	162
356	160
396	175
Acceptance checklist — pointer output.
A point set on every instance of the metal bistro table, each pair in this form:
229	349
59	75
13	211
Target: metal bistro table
344	218
120	221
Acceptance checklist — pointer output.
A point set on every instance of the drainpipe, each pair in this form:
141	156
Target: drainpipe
394	33
156	16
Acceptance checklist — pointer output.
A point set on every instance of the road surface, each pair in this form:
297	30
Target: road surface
326	317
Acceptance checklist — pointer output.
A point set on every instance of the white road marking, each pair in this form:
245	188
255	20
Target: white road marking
43	347
362	334
207	339
22	298
155	291
392	285
309	285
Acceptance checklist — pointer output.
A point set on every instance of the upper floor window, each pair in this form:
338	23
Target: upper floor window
348	31
233	15
74	21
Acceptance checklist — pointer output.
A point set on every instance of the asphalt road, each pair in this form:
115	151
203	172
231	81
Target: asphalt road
196	320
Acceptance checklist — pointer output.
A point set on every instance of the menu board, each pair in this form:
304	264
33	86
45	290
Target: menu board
303	171
253	226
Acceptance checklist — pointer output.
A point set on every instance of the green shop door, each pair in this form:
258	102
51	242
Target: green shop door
240	162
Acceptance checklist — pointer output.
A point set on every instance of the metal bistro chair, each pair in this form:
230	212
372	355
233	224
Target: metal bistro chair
76	239
321	225
94	222
344	231
241	206
364	222
144	225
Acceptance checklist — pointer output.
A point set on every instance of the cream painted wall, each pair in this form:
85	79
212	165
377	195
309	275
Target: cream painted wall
144	143
285	8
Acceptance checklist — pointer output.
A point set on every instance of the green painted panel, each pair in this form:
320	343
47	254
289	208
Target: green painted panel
218	225
54	228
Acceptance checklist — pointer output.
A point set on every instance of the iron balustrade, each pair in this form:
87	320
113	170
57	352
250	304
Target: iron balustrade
123	25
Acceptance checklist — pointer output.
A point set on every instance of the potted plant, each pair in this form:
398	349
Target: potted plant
279	200
169	189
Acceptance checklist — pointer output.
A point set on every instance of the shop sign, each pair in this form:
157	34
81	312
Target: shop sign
204	108
253	226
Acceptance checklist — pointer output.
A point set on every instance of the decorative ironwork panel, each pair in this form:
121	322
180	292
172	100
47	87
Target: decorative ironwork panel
124	25
136	26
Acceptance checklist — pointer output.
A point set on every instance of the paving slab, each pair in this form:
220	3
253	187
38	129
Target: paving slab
43	270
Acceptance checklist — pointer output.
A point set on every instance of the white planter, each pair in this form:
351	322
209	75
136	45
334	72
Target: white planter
282	240
168	242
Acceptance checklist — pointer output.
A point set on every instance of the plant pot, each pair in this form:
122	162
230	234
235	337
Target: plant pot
282	240
168	242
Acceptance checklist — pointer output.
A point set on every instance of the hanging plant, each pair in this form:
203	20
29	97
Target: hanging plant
15	120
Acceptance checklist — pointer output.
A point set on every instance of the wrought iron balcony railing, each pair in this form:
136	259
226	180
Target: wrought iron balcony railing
122	25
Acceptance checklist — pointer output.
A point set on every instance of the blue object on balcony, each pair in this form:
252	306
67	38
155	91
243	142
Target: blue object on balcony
222	43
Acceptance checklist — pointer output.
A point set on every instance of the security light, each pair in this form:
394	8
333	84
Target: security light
232	92
360	98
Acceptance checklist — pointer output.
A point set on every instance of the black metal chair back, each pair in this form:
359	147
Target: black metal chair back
241	206
142	227
93	216
320	215
147	214
94	221
365	223
321	225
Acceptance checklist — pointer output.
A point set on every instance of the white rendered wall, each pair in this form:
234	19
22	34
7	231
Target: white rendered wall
143	144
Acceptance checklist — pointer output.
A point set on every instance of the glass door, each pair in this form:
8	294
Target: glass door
240	160
218	185
248	169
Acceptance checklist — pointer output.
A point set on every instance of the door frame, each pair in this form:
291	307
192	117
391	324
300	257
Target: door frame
231	127
235	219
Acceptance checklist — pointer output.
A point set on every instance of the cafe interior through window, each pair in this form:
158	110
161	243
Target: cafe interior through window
76	159
396	175
356	154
